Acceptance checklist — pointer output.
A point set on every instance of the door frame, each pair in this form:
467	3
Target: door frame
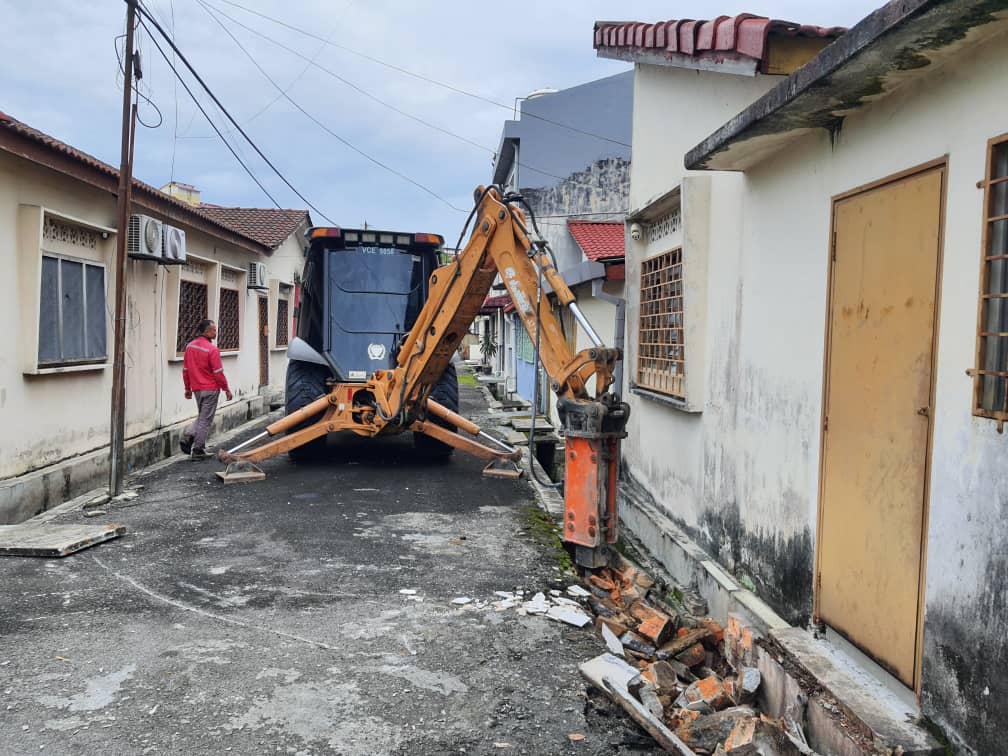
932	165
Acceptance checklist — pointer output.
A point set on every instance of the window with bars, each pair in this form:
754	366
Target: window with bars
228	329
72	328
192	309
992	347
525	346
282	322
661	357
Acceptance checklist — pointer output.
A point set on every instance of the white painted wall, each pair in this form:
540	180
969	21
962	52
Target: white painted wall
46	418
743	473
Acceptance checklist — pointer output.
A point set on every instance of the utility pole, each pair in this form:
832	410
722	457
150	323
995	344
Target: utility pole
117	465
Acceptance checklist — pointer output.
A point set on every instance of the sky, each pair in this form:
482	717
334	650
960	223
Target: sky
348	138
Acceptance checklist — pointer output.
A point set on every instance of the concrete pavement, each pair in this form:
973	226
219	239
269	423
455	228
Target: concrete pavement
268	618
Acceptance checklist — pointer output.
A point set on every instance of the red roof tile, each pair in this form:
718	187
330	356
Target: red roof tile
252	232
599	240
268	226
744	36
496	303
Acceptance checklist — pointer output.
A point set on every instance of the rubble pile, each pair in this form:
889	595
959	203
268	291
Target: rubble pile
691	683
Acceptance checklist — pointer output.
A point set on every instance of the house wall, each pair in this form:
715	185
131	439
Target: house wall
45	418
681	452
743	474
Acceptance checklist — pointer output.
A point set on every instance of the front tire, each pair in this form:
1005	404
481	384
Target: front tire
306	382
445	393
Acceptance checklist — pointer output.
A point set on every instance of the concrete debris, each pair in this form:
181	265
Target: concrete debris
578	592
462	600
504	594
749	680
538	604
612	641
408	591
569	615
705	733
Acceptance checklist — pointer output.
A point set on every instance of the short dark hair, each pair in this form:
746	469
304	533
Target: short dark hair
203	325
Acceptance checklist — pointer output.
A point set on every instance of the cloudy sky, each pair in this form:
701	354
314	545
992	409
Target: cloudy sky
66	83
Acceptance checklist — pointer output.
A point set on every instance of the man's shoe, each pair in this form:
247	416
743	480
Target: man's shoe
199	454
185	445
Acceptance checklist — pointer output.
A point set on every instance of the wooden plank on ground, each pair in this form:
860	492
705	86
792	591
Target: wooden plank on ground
49	540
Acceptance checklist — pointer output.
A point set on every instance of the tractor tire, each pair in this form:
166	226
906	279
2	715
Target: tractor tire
445	393
306	382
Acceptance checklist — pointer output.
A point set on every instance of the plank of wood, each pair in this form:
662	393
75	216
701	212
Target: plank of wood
230	478
48	540
611	675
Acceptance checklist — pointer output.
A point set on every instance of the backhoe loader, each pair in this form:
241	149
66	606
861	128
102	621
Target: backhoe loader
413	356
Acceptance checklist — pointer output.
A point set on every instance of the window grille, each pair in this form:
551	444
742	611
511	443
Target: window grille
282	322
192	309
661	357
228	329
667	225
72	325
991	374
526	347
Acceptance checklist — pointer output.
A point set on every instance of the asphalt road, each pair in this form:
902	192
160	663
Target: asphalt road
268	618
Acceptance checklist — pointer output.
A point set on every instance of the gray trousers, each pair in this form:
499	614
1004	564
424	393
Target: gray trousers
197	432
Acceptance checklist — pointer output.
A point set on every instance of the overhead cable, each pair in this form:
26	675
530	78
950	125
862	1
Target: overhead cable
421	77
199	105
321	125
146	14
211	10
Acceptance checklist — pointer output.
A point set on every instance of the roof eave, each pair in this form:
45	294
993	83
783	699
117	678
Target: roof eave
740	65
904	37
142	196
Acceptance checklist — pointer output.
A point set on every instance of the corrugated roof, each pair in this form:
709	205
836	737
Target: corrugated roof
54	145
725	37
599	240
268	226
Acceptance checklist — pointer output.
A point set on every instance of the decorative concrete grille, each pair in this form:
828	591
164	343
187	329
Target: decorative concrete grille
53	230
661	354
192	309
282	322
196	269
229	276
667	225
228	331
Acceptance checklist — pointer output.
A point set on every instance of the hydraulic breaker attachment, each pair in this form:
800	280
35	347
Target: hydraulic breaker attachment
593	429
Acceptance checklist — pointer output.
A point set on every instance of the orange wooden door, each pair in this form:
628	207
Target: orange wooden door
877	430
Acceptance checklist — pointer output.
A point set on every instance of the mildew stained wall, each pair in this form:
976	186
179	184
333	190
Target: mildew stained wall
761	437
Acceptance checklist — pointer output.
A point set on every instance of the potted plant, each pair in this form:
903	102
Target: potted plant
488	346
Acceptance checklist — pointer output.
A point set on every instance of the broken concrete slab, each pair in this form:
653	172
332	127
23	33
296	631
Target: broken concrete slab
612	675
569	615
49	540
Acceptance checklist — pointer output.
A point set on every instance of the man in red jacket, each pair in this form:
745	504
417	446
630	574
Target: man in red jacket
203	376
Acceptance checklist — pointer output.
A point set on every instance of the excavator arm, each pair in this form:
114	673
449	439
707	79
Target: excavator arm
396	400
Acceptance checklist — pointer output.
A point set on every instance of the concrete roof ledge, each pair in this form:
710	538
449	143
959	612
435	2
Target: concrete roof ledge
884	50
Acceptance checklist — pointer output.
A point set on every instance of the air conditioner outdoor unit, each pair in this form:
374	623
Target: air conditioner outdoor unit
174	246
257	276
144	240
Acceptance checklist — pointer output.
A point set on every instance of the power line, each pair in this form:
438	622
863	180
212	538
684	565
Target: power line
421	77
179	78
361	90
321	125
279	97
143	11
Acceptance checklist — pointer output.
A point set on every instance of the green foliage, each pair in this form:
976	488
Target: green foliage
542	528
488	345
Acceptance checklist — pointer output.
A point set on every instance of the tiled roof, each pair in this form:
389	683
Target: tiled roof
496	303
744	36
53	145
599	240
268	226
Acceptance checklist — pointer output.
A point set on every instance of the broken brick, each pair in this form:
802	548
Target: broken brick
740	642
634	642
710	691
656	627
716	636
617	628
684	641
665	676
692	656
602	583
705	732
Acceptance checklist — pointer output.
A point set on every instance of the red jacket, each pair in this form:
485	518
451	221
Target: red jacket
202	370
